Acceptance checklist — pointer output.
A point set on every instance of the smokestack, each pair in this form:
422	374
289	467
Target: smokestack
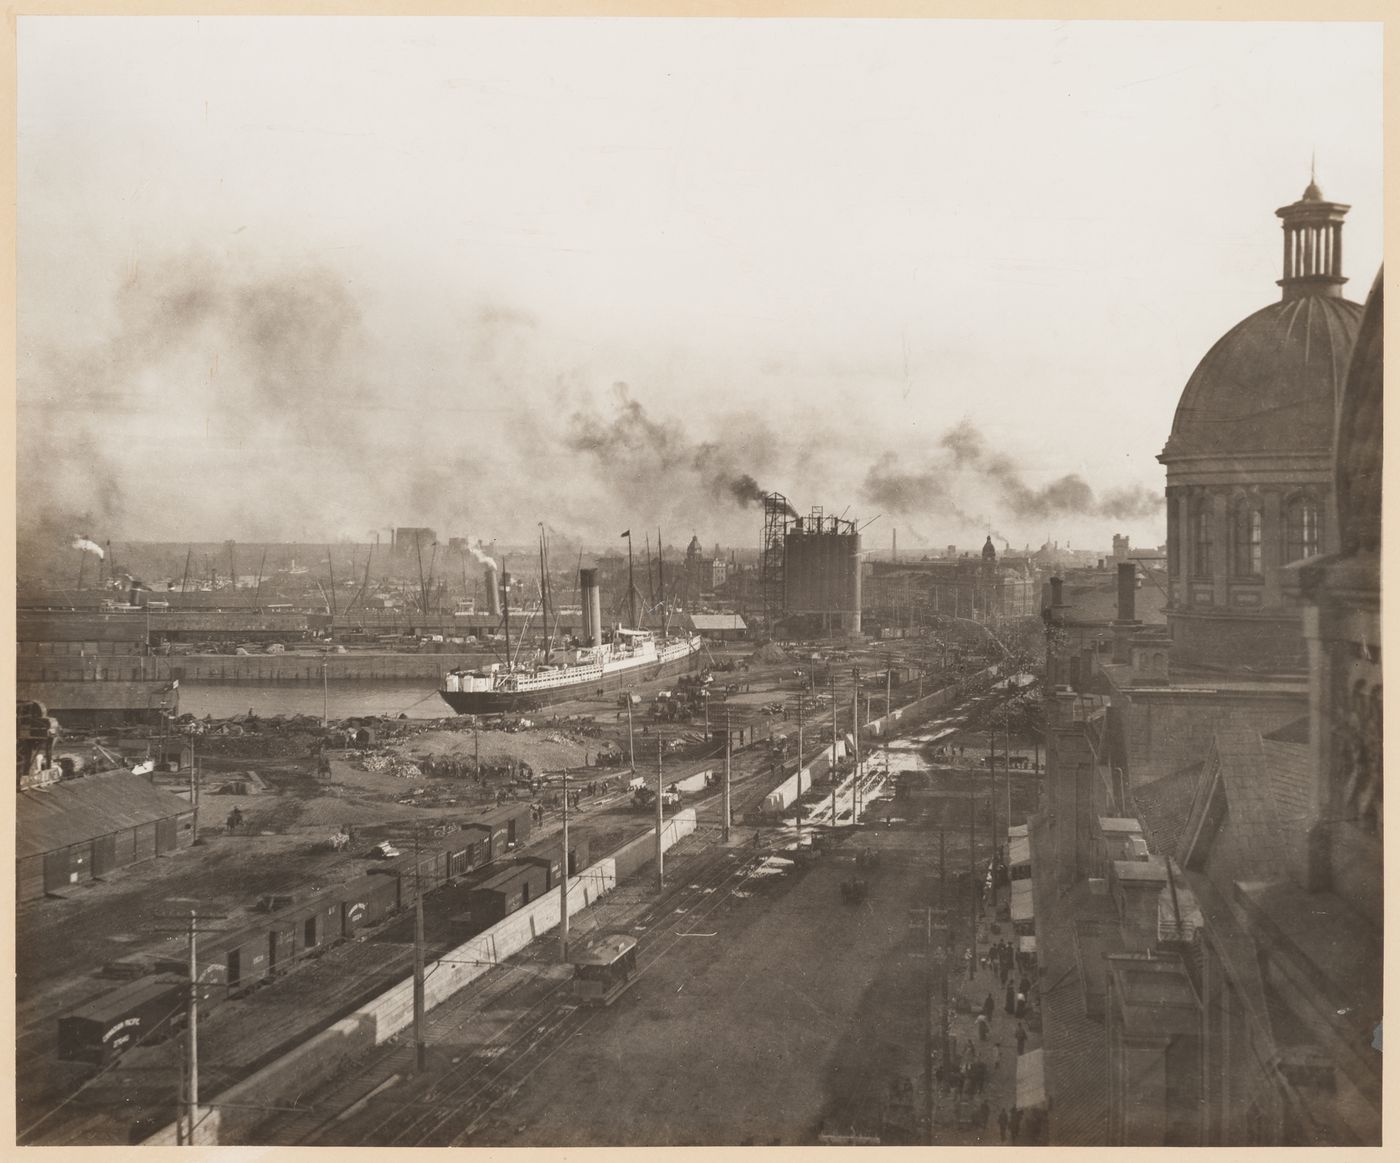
1127	584
493	593
592	607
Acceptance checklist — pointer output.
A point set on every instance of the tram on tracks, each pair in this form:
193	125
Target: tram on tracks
604	967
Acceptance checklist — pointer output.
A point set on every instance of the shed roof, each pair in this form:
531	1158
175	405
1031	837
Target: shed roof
703	622
1020	852
1030	1079
73	811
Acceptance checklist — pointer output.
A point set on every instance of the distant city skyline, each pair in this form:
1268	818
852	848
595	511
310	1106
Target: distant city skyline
400	279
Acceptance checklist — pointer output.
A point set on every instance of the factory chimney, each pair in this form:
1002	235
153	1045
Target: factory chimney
592	607
493	592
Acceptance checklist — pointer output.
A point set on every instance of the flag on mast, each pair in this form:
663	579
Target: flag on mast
626	533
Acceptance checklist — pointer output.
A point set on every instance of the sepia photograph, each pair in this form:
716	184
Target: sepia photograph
871	629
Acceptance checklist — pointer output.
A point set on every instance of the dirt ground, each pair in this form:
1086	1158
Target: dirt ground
792	1017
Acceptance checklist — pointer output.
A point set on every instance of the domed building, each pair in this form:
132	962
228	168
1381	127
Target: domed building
1250	459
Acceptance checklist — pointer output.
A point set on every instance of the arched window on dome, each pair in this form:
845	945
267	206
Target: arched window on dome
1202	537
1247	529
1303	528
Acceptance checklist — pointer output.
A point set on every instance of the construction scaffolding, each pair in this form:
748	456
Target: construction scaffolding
777	516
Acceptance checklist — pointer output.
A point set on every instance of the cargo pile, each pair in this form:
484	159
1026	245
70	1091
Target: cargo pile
394	765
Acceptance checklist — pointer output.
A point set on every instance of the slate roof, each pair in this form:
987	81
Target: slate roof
77	810
1291	776
1164	806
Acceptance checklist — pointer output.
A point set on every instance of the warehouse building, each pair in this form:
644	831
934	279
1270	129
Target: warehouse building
74	831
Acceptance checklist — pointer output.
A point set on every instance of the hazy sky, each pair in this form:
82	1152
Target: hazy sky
300	278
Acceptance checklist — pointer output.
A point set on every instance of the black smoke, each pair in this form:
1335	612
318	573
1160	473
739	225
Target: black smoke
965	456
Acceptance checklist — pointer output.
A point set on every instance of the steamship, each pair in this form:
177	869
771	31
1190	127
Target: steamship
632	656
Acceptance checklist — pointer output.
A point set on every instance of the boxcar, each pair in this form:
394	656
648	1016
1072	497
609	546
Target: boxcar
510	828
317	922
470	849
102	1029
550	864
367	900
510	889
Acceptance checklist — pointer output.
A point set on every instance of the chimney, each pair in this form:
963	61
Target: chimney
1125	625
592	607
1057	592
1127	585
493	593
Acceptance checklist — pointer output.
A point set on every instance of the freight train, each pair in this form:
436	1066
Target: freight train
282	932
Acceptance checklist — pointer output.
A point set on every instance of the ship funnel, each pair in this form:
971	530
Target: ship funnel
493	593
592	607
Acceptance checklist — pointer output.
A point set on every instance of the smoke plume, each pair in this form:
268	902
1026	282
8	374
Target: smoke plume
632	450
88	546
966	460
481	556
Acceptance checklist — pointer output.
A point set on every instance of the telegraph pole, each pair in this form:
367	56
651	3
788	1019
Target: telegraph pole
660	866
194	789
728	744
855	740
564	879
192	923
420	1045
799	767
972	866
631	753
831	677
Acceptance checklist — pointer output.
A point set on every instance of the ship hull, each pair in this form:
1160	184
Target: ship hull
506	702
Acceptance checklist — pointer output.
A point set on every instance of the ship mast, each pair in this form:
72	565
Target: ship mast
631	583
544	594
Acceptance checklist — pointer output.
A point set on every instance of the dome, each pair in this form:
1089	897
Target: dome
1271	383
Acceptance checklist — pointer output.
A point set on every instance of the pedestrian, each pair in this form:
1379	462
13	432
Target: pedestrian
1020	1005
1010	999
979	1077
1015	1124
984	1027
1001	1123
989	1007
983	1112
996	1059
1020	1038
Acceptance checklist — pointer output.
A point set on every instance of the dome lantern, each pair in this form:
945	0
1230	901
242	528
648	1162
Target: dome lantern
1312	245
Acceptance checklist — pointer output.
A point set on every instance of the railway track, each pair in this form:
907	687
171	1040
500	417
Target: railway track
454	1109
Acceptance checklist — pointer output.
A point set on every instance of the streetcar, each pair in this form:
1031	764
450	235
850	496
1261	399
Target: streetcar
604	966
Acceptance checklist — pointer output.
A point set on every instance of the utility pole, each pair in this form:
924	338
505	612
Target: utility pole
728	745
325	696
660	867
191	922
928	1020
476	743
194	788
420	1045
947	937
799	766
856	741
631	753
831	679
564	879
972	867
